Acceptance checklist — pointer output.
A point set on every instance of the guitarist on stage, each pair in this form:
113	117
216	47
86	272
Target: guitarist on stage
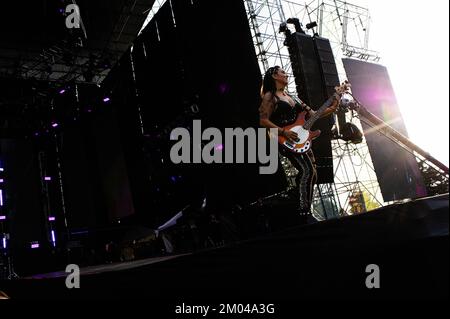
278	110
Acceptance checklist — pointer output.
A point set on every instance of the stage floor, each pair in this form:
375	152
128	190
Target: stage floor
98	269
327	260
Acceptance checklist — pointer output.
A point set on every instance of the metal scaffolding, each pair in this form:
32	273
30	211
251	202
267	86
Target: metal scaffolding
265	17
151	13
347	27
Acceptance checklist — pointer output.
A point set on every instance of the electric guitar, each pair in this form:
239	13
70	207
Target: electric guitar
303	127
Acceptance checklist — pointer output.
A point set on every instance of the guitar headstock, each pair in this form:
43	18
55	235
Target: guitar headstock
343	88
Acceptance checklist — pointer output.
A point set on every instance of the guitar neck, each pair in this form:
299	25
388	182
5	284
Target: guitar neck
319	113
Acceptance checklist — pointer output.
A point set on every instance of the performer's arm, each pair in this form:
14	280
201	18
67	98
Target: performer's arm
327	112
331	109
305	107
266	110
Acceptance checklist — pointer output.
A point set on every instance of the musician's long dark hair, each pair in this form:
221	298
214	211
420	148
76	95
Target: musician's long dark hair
269	84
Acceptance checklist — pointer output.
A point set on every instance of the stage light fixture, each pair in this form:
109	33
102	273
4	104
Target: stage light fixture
351	133
297	24
34	245
53	238
284	29
311	25
219	147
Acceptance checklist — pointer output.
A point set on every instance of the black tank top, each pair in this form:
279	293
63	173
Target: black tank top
284	114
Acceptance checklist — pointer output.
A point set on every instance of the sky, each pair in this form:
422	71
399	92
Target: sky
413	40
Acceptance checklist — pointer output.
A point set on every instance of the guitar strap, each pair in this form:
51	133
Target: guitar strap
297	100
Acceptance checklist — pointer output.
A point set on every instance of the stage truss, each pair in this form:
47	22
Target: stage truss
347	26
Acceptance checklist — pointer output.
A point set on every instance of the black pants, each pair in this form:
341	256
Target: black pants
306	178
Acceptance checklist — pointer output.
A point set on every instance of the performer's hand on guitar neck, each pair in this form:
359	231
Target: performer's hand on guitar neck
337	98
333	108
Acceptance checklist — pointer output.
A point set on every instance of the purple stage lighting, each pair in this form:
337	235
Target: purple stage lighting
35	245
1	197
4	243
2	217
1	180
48	179
224	88
62	91
51	219
54	125
53	238
106	99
